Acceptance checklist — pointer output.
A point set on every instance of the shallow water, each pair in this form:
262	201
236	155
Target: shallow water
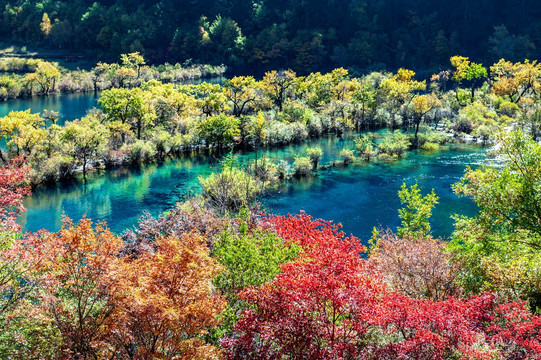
359	196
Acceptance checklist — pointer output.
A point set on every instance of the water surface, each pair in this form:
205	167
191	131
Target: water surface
359	196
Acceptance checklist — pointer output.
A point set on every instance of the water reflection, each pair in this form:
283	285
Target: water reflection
359	196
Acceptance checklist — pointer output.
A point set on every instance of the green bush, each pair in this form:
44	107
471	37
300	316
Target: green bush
140	151
347	155
265	171
394	144
430	146
302	165
365	146
230	190
315	154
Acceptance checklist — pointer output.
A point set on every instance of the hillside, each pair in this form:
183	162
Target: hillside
306	36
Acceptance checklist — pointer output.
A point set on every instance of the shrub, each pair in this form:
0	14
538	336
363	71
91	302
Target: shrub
418	267
265	171
140	151
315	154
284	169
365	146
395	143
302	165
430	146
347	155
230	190
56	167
298	131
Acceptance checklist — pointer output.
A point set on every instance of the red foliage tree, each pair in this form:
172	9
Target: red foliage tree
328	305
13	188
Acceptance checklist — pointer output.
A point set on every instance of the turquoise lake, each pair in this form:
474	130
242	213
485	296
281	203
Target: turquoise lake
359	196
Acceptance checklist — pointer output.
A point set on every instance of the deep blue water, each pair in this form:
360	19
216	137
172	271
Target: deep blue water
359	196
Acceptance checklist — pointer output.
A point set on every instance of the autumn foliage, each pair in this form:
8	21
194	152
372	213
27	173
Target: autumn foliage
13	188
328	305
298	289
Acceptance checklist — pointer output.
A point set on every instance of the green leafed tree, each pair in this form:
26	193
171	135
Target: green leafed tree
84	140
250	258
500	246
416	215
219	131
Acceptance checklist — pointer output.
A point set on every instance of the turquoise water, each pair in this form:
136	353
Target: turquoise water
359	196
69	106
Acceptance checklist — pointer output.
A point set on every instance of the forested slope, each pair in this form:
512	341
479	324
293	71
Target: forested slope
314	35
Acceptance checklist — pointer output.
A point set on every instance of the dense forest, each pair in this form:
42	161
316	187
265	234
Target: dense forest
261	35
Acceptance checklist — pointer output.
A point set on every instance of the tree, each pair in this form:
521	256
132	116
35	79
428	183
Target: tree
85	139
467	70
13	188
20	257
250	258
166	301
516	80
79	283
127	106
45	25
315	154
500	246
365	96
509	198
46	75
415	216
211	98
241	91
301	313
422	105
327	304
219	131
22	131
276	85
133	61
400	90
416	266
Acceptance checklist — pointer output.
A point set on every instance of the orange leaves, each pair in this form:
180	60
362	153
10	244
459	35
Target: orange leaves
155	304
77	284
166	299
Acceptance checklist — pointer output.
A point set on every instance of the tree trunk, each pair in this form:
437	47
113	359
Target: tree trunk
84	168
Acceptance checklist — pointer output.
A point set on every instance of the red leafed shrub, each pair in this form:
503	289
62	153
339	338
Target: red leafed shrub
313	235
328	304
13	189
317	308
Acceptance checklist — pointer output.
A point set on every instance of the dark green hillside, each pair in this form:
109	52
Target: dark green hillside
314	35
